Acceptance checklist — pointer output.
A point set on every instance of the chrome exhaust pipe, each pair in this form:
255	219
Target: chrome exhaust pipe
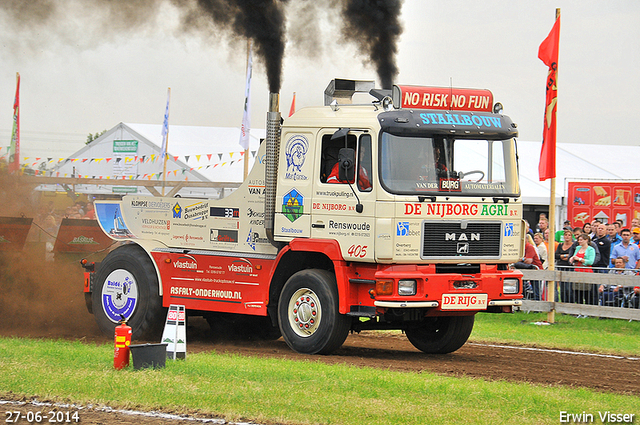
271	164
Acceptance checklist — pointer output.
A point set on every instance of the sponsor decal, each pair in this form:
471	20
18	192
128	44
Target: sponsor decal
464	301
508	229
221	235
295	152
197	211
205	293
254	238
443	210
292	205
83	240
290	230
186	262
461	119
241	266
450	185
224	212
348	226
462	237
403	228
150	204
177	211
119	295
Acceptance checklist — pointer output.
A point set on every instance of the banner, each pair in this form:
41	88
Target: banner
14	149
548	53
246	115
607	201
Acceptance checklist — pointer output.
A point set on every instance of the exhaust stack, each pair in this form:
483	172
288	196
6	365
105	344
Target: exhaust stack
271	164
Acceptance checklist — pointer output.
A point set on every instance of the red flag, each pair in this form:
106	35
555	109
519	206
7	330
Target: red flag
292	110
548	53
14	150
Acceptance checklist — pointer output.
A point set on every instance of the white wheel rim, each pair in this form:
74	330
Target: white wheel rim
304	312
119	295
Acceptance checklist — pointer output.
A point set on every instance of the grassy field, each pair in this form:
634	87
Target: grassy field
585	334
284	391
309	392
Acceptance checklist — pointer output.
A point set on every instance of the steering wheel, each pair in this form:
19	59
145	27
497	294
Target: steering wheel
465	174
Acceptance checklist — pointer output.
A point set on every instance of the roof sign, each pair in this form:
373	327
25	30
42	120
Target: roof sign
444	98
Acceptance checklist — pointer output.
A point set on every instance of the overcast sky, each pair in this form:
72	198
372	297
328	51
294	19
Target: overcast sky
82	76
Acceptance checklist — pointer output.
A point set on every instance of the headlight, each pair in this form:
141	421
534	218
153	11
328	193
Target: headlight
407	287
510	286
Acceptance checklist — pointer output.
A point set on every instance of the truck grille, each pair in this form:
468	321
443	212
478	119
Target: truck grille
443	240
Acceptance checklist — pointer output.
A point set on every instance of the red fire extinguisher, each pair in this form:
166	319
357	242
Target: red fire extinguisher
122	342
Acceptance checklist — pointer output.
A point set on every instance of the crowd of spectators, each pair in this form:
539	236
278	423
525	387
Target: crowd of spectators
595	247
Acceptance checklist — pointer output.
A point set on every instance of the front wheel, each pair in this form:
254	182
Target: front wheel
308	313
127	286
440	335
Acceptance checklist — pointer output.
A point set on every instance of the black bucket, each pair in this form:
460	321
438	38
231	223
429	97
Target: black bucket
148	355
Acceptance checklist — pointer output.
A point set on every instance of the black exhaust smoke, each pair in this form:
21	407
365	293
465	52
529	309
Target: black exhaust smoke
374	25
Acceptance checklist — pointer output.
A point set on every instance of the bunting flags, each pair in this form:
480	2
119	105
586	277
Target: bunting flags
246	126
548	53
14	149
292	110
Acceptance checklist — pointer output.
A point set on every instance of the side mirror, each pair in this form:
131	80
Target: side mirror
347	160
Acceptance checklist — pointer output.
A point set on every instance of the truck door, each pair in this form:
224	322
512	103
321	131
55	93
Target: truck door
343	210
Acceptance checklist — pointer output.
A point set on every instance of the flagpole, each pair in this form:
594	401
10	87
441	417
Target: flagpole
165	142
246	151
551	285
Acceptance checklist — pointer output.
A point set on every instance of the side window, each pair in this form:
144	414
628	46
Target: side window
364	163
329	157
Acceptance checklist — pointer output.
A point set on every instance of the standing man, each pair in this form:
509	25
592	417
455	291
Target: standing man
628	251
604	246
635	232
613	235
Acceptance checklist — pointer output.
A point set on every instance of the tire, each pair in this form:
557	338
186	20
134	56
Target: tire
440	335
308	313
126	284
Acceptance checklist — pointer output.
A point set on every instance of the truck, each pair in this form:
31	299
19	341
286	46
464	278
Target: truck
401	211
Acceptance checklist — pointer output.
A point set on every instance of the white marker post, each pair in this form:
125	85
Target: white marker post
175	332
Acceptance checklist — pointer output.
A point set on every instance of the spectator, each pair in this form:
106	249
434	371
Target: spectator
530	261
586	228
538	240
627	250
611	295
634	299
635	233
618	224
604	247
91	213
543	223
584	256
635	222
577	231
562	261
560	233
612	235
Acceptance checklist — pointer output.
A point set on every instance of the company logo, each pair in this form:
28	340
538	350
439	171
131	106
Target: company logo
295	152
462	237
223	235
463	248
451	185
186	262
402	229
292	205
177	211
83	240
508	229
241	266
254	238
197	211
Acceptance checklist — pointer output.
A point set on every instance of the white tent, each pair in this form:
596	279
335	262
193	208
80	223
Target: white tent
132	152
574	161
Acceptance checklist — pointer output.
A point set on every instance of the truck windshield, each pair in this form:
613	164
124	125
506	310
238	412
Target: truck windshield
433	165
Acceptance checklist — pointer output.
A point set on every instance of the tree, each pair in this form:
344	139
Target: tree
92	137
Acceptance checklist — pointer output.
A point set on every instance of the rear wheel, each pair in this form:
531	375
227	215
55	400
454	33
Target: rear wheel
440	335
308	313
127	286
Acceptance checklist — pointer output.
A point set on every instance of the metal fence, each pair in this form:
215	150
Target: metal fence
601	293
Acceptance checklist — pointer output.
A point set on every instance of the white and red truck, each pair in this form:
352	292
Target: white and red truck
401	213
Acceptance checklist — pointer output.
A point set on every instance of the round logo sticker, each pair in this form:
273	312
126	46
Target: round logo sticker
119	295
